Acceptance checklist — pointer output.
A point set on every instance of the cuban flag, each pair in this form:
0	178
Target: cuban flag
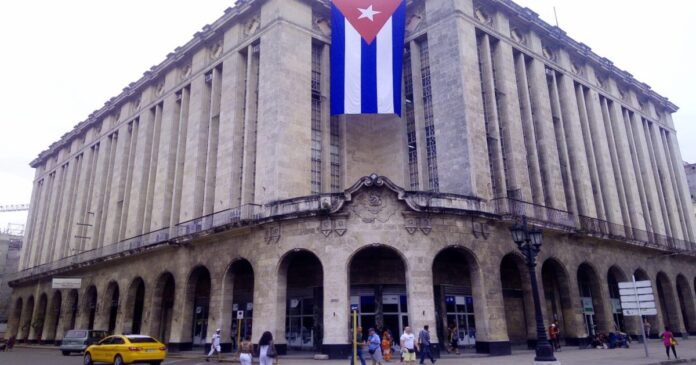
367	43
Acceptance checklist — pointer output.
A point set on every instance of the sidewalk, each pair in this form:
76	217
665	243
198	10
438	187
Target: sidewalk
569	356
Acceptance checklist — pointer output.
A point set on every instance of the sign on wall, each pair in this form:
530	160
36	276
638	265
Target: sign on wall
66	283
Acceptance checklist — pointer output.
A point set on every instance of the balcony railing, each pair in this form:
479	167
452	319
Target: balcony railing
505	208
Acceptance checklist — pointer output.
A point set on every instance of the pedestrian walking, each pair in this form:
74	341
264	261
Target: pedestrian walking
359	342
647	327
373	347
553	336
386	346
214	346
408	346
267	350
424	344
453	338
246	349
670	342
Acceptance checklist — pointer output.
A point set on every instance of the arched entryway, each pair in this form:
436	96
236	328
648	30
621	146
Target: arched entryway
238	297
302	274
39	320
668	302
26	320
454	274
198	294
113	296
614	276
591	300
72	306
686	304
557	296
519	305
135	301
91	306
15	319
53	316
162	307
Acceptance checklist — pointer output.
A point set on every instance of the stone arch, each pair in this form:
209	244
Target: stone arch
641	274
163	307
26	320
135	303
591	295
557	297
196	312
53	316
668	302
686	304
111	305
517	299
90	306
238	295
15	320
300	288
615	275
39	320
458	287
72	306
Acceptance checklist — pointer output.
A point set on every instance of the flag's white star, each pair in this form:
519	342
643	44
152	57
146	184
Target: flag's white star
368	13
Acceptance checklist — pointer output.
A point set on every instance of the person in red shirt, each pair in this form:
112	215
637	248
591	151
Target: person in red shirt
669	341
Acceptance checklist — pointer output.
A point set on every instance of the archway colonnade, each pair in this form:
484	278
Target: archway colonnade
305	297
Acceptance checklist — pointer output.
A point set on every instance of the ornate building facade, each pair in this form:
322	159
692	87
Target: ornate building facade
219	183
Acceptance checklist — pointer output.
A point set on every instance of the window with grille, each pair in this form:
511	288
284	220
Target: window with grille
430	143
411	142
316	119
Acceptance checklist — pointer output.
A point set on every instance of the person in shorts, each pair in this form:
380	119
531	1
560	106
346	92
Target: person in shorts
408	346
374	347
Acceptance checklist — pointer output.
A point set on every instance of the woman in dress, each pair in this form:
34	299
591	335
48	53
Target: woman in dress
386	346
669	341
266	349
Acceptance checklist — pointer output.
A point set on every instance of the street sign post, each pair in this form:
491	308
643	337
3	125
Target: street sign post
637	299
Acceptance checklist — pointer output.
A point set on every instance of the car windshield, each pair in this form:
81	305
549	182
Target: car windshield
141	340
76	334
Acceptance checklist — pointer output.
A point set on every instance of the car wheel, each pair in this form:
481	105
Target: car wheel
66	353
118	360
88	359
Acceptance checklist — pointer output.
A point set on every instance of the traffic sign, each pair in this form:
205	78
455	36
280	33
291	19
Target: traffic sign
642	312
639	284
638	291
240	314
633	305
641	298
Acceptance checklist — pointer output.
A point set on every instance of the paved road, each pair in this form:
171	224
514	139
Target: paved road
569	356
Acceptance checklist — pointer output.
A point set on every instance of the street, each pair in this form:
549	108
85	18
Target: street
569	356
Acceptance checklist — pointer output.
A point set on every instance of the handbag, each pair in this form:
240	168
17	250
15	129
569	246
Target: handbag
271	352
673	341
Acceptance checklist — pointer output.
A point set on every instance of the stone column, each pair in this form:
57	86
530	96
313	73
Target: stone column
459	125
625	162
608	115
489	307
648	177
510	115
337	315
140	175
284	101
192	188
610	196
270	290
591	160
180	335
664	175
689	216
229	158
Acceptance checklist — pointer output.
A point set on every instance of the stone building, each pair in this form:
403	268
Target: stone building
10	246
219	183
691	179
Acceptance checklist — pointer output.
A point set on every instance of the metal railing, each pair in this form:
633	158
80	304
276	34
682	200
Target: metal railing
512	208
617	231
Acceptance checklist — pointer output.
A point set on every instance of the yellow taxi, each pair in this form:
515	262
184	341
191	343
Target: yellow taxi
126	349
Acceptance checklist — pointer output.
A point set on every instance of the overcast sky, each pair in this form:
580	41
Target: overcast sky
62	60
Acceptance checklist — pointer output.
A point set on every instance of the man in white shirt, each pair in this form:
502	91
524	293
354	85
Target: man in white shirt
215	346
408	346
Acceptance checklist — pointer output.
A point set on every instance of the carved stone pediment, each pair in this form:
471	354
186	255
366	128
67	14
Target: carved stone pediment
374	205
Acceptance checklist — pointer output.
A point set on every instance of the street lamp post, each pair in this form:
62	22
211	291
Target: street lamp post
528	240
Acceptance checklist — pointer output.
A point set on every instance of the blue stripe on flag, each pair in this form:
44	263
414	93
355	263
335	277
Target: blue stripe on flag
369	77
338	57
398	28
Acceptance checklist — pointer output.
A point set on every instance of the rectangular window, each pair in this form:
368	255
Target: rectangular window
430	144
411	142
335	155
316	119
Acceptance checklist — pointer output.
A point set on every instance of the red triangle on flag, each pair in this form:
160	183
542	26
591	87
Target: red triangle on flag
367	16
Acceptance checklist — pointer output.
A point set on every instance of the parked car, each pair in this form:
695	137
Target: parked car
126	349
79	340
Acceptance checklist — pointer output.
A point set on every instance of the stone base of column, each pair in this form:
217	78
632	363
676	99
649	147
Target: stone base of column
547	362
179	346
577	341
337	351
494	348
